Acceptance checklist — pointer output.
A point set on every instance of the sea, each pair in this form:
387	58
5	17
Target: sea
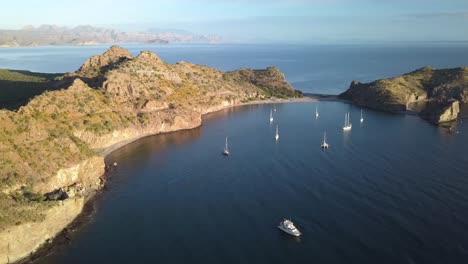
394	189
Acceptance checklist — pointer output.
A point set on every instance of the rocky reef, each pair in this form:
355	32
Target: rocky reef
53	147
441	90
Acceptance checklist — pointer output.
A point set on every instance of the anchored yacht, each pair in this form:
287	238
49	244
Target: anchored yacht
226	149
325	144
288	227
271	116
277	134
347	125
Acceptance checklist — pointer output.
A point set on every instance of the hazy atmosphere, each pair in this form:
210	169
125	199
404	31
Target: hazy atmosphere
234	131
305	21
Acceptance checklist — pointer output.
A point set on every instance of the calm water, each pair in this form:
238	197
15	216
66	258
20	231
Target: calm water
316	69
392	190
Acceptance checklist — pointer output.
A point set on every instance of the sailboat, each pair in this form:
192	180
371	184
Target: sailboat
271	116
316	112
226	149
362	118
325	144
277	134
347	125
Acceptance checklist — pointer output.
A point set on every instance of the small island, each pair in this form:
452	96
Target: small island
434	94
53	143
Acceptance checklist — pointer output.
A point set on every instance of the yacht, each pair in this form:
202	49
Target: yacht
277	134
362	118
347	125
288	227
316	112
325	144
226	149
271	116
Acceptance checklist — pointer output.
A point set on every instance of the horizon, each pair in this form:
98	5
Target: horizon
241	21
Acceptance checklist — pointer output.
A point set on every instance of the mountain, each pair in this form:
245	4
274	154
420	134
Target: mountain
434	94
52	149
87	35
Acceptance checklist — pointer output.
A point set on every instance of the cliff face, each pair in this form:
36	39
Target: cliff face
18	241
55	142
439	87
441	112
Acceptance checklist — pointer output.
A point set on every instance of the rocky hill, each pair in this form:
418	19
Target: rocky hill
438	93
46	35
51	148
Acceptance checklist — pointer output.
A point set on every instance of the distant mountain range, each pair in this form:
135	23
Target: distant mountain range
46	35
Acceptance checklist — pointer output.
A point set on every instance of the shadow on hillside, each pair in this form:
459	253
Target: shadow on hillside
18	87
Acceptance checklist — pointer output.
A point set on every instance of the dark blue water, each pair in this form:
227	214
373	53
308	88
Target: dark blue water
392	190
311	68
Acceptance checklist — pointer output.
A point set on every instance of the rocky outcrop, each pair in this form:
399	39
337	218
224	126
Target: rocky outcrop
87	173
94	65
438	112
19	241
438	87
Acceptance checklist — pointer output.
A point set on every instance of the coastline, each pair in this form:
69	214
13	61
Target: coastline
84	215
81	212
104	152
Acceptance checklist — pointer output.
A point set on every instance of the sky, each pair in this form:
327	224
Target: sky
294	21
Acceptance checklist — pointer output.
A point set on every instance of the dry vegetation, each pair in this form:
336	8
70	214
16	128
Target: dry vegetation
395	93
108	93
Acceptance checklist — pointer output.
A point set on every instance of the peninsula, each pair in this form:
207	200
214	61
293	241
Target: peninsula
434	94
52	148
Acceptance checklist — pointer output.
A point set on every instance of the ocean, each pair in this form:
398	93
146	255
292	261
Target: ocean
394	189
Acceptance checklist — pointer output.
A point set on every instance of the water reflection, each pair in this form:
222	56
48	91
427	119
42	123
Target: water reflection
152	144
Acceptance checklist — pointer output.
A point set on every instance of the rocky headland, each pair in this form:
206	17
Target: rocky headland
434	94
52	148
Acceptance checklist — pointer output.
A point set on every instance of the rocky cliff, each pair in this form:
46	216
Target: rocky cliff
51	148
439	88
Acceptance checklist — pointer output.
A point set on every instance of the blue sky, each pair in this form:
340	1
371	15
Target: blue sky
259	20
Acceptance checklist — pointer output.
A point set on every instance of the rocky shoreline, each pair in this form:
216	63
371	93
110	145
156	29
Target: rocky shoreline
439	93
74	208
112	100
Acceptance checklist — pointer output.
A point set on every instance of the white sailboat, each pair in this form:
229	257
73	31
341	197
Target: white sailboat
362	118
226	148
277	134
325	144
271	116
347	125
316	112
